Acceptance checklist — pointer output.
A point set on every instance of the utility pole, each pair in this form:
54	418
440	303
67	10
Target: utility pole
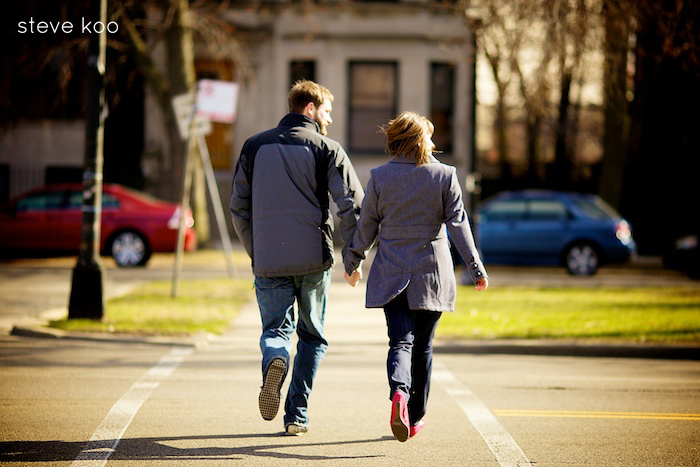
86	296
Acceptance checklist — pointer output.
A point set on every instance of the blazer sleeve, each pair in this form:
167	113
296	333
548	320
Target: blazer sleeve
240	204
367	230
458	225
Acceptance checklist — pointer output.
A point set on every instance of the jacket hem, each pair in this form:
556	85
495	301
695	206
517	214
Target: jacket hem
299	272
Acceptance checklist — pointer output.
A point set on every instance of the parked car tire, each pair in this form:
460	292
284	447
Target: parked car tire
581	259
129	249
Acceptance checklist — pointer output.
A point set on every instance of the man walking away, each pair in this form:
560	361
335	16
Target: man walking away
281	213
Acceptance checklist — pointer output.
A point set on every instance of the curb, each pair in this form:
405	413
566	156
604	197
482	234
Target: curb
197	341
568	349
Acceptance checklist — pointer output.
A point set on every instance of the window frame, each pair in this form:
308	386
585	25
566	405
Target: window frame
452	67
395	66
303	62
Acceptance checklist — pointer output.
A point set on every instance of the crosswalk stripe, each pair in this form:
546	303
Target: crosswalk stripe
499	441
106	437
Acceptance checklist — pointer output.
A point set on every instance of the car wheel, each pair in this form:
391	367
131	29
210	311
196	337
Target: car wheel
581	260
130	249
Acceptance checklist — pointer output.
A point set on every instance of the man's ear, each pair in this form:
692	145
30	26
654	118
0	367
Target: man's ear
310	110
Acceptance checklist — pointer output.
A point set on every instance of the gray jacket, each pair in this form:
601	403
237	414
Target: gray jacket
408	207
280	198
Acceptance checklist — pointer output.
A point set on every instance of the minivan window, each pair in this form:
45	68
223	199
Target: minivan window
547	210
506	210
596	209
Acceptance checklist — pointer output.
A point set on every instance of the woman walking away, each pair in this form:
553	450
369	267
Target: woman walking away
415	199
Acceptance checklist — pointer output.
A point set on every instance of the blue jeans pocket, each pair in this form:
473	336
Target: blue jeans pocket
314	279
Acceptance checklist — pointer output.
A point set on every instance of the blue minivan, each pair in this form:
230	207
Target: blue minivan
578	231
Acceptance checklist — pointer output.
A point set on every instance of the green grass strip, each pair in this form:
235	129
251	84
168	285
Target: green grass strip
207	305
648	314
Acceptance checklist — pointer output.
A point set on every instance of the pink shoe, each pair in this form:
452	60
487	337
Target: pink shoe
399	417
416	428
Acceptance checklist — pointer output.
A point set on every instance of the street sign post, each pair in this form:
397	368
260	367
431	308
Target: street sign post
214	101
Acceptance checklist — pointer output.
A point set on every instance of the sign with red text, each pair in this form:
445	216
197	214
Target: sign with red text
216	100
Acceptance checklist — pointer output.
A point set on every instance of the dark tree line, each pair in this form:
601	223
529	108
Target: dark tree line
538	52
660	192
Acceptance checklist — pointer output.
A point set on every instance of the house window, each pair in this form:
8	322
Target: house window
372	103
442	98
301	69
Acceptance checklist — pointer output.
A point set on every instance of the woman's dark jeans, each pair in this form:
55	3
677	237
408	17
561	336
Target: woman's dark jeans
410	360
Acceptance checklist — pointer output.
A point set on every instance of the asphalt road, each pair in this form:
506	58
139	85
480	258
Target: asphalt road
91	402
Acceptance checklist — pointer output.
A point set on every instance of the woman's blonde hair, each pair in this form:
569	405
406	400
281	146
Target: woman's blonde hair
405	136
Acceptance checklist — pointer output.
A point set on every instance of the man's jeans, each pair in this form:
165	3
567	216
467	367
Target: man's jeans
410	360
276	296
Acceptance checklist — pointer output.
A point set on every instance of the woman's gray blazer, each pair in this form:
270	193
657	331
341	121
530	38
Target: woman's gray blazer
407	207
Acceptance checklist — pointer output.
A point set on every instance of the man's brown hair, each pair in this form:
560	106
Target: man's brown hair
305	91
405	137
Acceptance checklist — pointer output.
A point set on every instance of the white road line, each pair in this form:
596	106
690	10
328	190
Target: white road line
105	439
501	443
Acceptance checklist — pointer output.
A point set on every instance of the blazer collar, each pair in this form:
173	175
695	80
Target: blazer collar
292	120
402	160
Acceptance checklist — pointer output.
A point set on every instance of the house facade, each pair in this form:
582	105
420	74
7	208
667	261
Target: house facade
377	58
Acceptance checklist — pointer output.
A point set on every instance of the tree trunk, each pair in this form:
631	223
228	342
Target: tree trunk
617	19
180	50
561	171
501	119
502	137
534	122
159	84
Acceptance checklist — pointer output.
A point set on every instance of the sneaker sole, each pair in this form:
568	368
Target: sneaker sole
399	430
269	399
293	430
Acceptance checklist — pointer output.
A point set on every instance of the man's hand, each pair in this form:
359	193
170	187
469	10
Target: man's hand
482	284
355	278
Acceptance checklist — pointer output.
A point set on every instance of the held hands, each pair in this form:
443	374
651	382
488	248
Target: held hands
482	284
355	278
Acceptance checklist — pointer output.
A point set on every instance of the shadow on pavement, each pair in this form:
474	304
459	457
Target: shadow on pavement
162	449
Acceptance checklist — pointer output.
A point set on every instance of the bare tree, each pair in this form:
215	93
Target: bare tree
573	25
541	46
496	35
535	85
177	27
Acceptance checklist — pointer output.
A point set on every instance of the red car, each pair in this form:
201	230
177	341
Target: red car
134	224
